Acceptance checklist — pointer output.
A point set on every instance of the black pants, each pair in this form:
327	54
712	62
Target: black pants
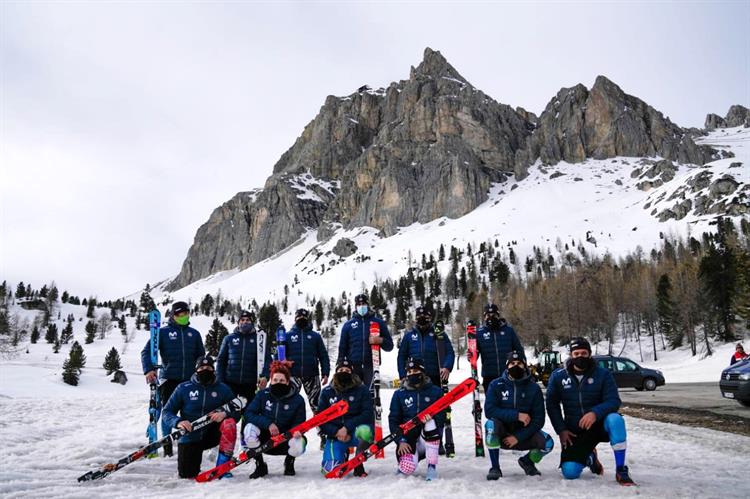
245	390
502	430
584	443
365	374
166	389
486	380
190	455
312	389
435	379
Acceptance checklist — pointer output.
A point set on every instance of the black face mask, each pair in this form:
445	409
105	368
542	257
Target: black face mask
423	321
516	372
343	378
493	322
205	377
301	323
583	363
415	379
278	390
247	328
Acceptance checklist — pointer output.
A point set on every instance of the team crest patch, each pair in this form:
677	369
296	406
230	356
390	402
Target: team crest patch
190	334
309	337
502	333
351	398
252	340
427	399
591	381
214	394
286	407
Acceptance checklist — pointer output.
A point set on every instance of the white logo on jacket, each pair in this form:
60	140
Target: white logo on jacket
409	402
566	383
332	400
486	335
194	395
414	336
506	394
173	335
269	405
235	341
293	338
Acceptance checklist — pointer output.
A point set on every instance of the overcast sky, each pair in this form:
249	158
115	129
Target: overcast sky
125	124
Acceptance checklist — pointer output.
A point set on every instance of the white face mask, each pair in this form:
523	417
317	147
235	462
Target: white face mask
362	309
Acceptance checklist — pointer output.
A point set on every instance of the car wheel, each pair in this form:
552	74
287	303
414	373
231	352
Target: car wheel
746	403
649	384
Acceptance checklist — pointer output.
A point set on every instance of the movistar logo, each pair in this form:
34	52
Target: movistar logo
506	394
293	338
235	341
409	402
173	335
194	395
566	383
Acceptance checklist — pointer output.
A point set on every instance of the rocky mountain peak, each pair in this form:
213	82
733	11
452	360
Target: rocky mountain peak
434	65
736	116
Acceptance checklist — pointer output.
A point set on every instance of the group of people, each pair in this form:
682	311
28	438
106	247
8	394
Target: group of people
582	398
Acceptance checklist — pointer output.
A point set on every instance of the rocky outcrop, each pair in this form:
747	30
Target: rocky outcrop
605	122
736	116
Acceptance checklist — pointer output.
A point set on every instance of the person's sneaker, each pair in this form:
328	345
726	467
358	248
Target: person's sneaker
594	464
168	449
359	471
261	470
289	466
432	473
494	474
623	477
528	466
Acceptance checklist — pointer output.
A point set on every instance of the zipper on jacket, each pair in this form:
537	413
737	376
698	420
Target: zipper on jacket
182	339
242	360
497	353
515	391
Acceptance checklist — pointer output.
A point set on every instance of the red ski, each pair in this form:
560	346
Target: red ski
473	354
375	392
336	410
461	390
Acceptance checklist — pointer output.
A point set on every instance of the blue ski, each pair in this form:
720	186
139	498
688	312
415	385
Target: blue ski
154	404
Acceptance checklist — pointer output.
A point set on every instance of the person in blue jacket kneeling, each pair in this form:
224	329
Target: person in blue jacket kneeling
353	429
274	410
589	397
192	399
515	417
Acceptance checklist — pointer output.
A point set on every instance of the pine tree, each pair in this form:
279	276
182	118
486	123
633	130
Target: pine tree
207	304
71	374
90	308
665	311
112	361
319	314
35	334
67	333
269	318
20	290
77	357
51	335
215	336
90	331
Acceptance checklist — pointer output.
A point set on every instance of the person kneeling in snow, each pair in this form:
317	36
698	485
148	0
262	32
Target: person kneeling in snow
417	393
275	410
588	394
353	429
515	417
192	399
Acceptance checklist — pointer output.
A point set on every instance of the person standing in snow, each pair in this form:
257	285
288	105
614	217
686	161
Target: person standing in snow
239	364
495	340
355	341
192	399
514	408
739	354
588	396
179	347
353	429
422	343
416	393
274	410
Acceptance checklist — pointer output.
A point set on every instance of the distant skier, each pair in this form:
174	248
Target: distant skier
191	400
495	340
421	343
275	410
355	340
355	428
590	400
415	394
179	347
739	354
515	416
238	364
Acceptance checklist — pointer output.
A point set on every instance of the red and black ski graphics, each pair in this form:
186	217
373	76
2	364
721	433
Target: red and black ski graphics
375	391
461	390
336	410
473	354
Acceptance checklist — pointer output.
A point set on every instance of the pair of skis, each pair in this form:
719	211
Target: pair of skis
450	447
233	406
336	410
461	390
154	402
375	387
473	354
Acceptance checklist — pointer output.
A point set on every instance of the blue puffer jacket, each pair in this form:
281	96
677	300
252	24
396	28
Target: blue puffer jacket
306	349
179	348
596	392
360	407
494	345
424	346
192	400
409	401
238	358
354	342
286	412
506	398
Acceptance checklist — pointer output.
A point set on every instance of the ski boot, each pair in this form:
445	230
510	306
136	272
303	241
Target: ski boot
168	449
359	471
594	464
432	473
261	469
221	459
494	474
623	477
528	466
289	466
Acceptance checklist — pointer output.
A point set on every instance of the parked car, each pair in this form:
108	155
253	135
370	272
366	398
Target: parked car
628	374
735	382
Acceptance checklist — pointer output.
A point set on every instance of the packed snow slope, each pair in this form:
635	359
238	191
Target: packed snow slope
611	205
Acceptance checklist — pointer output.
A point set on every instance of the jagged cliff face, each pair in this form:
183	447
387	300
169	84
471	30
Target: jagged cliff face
423	148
